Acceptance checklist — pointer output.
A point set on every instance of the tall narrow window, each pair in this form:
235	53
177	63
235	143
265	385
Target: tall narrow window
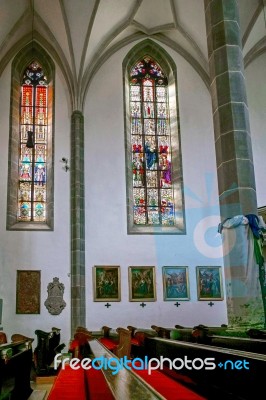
33	146
153	195
153	154
30	199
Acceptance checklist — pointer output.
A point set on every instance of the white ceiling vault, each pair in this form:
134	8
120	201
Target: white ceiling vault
81	35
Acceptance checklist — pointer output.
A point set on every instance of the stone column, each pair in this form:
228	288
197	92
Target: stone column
235	170
78	316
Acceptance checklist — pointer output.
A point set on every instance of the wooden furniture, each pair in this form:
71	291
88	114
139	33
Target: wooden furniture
104	381
18	337
220	336
257	333
96	384
16	363
106	331
79	345
198	333
162	332
138	336
238	343
123	349
236	372
3	338
120	346
125	384
45	351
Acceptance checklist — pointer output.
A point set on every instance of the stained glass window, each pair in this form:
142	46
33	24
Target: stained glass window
153	192
33	146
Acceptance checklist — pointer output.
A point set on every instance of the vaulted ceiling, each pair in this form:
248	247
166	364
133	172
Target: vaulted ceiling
82	34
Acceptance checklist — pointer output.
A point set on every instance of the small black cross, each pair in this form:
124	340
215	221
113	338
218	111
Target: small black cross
177	304
210	304
142	305
107	305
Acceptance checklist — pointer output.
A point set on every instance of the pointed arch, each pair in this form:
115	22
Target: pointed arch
155	201
31	53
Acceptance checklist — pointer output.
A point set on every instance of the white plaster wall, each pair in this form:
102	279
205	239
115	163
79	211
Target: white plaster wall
107	242
48	252
256	92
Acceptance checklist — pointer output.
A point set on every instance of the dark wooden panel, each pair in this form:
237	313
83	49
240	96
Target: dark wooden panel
219	383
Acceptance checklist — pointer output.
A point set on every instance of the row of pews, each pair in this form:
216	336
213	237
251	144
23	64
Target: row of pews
15	365
18	362
109	349
237	364
253	340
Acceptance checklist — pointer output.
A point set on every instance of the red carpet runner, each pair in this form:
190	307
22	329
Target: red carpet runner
69	385
90	384
168	387
80	384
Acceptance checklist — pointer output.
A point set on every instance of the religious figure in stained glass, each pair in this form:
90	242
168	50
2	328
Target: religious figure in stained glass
33	145
153	192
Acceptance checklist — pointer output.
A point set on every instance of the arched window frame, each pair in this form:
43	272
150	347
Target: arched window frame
159	55
32	52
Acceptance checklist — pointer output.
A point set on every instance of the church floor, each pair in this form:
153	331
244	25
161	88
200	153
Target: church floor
41	386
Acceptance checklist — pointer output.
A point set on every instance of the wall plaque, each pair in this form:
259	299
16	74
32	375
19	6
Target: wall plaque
55	302
28	292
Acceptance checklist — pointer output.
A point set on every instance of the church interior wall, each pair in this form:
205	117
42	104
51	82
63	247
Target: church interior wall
48	252
107	241
256	93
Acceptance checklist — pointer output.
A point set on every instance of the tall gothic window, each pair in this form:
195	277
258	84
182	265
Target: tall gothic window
153	196
154	173
33	146
30	201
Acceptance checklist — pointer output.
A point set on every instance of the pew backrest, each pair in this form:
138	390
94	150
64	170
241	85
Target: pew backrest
124	345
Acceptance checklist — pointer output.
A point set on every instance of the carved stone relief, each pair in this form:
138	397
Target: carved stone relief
55	302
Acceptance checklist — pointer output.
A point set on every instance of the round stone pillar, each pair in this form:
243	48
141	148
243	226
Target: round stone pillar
235	170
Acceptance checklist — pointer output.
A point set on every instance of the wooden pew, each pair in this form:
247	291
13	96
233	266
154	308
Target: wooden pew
214	335
198	333
238	343
45	351
102	383
162	332
110	338
133	383
257	333
138	336
3	338
125	384
120	347
236	372
79	345
16	363
222	337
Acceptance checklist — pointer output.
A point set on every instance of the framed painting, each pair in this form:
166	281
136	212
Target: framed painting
106	283
142	286
175	283
209	283
28	292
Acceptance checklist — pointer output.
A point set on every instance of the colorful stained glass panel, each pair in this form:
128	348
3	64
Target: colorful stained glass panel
153	195
33	138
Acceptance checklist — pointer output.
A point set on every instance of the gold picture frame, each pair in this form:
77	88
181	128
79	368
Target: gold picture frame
106	283
142	283
175	283
209	283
